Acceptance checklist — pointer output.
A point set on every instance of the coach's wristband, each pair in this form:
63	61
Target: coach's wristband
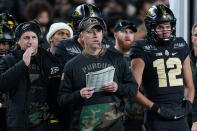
155	108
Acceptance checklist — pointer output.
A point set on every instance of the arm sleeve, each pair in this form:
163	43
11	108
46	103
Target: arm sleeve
194	106
9	76
127	86
66	94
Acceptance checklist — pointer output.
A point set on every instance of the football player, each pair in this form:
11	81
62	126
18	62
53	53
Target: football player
161	63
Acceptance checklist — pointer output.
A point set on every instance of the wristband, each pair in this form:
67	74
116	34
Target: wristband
155	108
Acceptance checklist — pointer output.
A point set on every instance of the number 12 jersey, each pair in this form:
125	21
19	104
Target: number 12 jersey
163	73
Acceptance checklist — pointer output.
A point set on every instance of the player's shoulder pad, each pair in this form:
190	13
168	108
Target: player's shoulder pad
76	59
139	43
65	42
114	52
179	43
144	45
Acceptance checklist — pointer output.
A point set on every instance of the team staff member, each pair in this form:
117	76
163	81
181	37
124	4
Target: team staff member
67	49
162	63
124	33
24	74
95	110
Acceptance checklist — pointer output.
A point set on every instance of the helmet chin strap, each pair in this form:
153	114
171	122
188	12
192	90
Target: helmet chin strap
166	39
163	41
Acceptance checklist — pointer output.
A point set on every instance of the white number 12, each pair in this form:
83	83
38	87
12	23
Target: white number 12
172	73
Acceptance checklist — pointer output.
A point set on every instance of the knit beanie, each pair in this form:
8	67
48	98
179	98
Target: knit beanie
58	26
28	26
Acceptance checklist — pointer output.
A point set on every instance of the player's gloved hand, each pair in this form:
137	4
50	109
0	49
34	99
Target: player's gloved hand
165	111
171	111
187	105
155	108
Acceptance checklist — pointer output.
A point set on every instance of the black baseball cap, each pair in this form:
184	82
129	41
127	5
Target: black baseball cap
124	24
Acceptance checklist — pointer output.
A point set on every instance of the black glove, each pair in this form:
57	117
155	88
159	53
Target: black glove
172	111
155	108
187	105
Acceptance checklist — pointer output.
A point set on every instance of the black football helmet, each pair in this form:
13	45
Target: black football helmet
158	14
84	11
7	27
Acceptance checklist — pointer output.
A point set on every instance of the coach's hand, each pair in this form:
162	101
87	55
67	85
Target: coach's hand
27	55
111	87
87	92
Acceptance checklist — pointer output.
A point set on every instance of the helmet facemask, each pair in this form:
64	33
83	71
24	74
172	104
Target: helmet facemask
157	15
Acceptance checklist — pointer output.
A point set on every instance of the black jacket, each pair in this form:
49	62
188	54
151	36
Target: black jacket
14	78
75	79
